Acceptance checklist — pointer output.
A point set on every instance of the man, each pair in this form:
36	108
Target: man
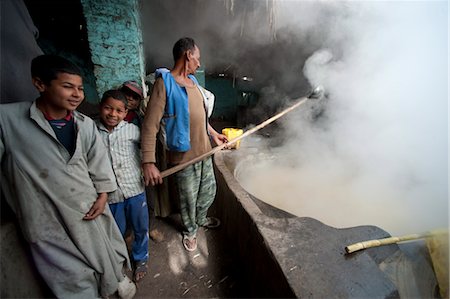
178	104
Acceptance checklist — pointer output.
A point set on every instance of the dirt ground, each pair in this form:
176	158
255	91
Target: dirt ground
173	272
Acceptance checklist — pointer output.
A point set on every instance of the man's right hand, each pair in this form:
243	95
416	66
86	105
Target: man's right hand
152	175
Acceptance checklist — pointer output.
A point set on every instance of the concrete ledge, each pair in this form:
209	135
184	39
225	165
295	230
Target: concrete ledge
19	276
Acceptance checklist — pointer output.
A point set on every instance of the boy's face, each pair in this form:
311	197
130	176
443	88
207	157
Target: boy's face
133	99
112	112
66	92
133	103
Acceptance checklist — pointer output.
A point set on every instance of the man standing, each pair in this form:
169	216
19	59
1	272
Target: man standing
177	107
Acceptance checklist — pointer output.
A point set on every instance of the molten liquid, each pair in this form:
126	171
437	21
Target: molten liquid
341	200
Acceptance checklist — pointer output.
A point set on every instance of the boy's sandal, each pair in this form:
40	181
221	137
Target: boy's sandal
140	270
211	222
190	243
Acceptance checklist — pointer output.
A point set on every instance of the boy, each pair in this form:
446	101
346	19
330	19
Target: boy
128	203
55	176
134	95
136	109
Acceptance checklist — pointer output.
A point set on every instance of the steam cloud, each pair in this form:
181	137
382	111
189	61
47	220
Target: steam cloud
378	154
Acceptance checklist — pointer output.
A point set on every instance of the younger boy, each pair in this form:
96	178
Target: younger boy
55	176
136	109
134	94
128	203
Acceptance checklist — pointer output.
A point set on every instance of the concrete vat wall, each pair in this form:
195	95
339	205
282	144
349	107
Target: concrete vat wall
262	272
286	256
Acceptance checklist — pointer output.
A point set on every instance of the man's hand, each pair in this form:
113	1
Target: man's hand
98	207
152	175
218	138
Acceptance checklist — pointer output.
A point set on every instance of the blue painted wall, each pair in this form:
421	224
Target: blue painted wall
227	98
200	76
115	41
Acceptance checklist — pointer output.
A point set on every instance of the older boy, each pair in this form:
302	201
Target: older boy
128	203
55	176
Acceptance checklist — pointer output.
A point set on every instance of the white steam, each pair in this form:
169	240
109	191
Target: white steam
379	153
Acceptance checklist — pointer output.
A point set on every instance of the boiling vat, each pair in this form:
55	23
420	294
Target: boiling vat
332	193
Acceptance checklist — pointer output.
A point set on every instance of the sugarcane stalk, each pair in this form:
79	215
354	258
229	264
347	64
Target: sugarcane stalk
387	241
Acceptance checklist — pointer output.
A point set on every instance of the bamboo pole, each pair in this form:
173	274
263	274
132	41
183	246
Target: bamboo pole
387	241
179	167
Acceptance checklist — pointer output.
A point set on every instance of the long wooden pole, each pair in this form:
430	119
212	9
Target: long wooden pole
179	167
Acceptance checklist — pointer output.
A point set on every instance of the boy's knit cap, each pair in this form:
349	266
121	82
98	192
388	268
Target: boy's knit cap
134	86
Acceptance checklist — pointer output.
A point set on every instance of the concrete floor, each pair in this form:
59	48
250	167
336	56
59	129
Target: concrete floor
173	272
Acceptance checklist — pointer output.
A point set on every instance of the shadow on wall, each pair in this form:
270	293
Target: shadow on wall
18	48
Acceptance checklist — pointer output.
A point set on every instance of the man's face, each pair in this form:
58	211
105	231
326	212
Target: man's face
112	112
193	60
64	92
